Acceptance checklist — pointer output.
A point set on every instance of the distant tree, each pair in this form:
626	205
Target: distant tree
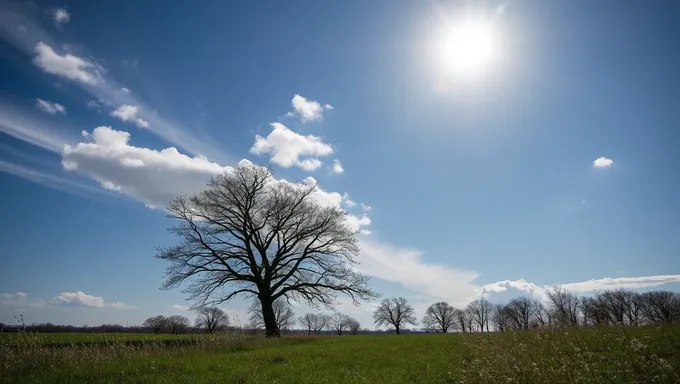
178	324
338	322
2	327
480	312
283	314
321	323
156	323
307	321
250	234
440	316
500	317
353	325
660	307
211	319
541	314
396	312
564	307
521	312
462	317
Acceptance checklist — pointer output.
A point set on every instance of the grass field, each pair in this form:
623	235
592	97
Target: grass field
605	355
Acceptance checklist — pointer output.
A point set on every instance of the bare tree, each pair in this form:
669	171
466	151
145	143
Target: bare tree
338	322
322	322
564	306
521	312
461	317
440	316
480	312
250	234
396	312
178	323
283	314
353	325
501	318
542	317
308	321
156	323
660	307
212	319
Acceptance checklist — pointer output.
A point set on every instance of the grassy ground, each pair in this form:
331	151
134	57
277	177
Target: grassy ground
607	355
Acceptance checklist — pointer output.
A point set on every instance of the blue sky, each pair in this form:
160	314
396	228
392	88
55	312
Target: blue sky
483	180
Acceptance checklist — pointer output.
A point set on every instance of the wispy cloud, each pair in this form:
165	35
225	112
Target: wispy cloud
36	42
49	107
603	162
178	307
288	148
24	126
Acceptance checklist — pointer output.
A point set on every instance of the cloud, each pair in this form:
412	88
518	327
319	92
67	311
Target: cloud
603	162
348	202
178	307
56	182
307	110
406	267
94	80
153	177
81	299
94	104
48	107
68	65
13	299
61	16
34	130
129	113
365	207
621	282
337	167
605	283
287	147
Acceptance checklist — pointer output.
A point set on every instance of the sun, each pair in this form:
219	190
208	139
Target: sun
467	48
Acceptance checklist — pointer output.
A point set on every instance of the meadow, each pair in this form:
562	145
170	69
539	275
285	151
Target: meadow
648	354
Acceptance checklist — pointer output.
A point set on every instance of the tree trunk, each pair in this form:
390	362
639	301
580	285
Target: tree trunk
397	329
269	318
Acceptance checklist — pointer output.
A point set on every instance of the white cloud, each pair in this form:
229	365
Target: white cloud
348	202
81	299
337	167
307	110
603	162
365	207
68	65
48	107
178	307
39	44
94	104
126	90
61	16
621	282
287	147
605	283
407	267
130	113
153	177
78	299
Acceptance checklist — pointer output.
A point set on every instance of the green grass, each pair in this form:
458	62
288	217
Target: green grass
606	355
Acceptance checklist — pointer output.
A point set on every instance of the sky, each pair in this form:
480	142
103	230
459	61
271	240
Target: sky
537	152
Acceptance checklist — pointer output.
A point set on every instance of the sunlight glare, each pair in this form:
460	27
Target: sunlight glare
467	48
